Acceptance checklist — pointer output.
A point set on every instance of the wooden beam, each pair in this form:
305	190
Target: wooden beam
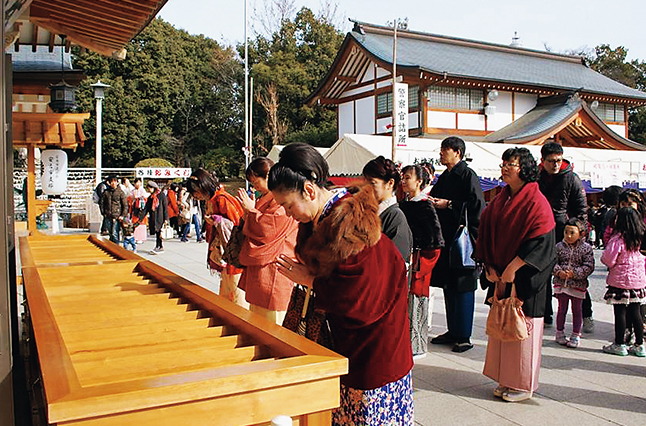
81	39
31	189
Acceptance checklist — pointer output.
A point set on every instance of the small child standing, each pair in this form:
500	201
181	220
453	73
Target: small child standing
574	263
626	280
128	237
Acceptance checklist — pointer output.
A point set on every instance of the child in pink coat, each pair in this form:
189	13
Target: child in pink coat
626	280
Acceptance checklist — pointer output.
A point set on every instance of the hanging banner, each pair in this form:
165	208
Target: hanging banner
54	178
400	112
162	172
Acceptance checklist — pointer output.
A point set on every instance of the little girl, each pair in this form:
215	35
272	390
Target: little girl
626	280
574	263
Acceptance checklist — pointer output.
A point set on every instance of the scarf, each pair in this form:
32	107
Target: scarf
509	221
155	196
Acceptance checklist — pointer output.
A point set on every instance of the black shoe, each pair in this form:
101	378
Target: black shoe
443	339
462	347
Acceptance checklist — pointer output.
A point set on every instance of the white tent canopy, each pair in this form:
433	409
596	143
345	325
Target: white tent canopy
602	167
274	153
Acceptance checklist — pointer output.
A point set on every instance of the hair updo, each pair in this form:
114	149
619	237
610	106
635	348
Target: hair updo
382	168
299	163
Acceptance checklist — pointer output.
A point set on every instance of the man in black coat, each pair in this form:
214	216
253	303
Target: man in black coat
565	193
457	193
114	207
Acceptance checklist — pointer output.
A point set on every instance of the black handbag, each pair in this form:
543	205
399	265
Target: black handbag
461	247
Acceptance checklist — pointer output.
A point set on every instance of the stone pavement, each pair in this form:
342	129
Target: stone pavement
577	386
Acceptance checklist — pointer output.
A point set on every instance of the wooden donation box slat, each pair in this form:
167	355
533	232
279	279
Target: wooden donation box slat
123	341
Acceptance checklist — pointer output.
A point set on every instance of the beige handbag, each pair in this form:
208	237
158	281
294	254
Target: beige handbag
506	320
167	232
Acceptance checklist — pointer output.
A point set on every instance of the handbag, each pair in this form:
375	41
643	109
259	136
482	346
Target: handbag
506	321
461	247
166	232
303	318
233	247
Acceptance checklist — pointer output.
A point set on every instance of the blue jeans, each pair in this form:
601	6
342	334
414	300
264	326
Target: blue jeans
129	241
187	227
113	228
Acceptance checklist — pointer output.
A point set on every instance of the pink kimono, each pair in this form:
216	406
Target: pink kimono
269	232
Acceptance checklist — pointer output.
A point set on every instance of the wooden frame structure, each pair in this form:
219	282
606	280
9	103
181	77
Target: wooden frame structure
121	340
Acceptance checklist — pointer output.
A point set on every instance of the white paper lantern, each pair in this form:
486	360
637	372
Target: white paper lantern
54	178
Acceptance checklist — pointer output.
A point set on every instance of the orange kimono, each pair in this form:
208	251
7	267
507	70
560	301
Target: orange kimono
223	204
269	232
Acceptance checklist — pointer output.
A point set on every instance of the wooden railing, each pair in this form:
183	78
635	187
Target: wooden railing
123	341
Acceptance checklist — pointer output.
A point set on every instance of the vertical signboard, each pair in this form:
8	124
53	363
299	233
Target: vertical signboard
400	114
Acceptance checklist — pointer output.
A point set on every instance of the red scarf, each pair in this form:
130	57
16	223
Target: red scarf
155	200
507	222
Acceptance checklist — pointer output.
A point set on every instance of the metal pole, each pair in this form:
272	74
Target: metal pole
246	94
395	23
250	118
99	113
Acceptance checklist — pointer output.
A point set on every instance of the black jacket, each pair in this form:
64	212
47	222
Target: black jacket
424	224
532	279
395	227
566	195
114	203
157	217
462	187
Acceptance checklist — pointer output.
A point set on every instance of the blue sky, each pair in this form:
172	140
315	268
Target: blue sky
560	24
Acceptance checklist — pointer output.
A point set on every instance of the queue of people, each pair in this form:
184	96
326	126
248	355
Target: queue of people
373	282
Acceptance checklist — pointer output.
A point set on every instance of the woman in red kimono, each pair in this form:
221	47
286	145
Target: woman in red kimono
359	278
269	232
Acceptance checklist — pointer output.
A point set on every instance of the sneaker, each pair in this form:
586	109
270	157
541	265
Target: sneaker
616	349
574	341
637	350
560	338
513	395
588	325
152	252
500	391
158	250
629	337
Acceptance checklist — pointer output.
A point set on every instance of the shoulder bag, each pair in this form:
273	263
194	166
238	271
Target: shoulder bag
233	247
506	321
461	247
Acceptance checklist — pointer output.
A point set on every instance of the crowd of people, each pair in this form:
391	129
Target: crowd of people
532	241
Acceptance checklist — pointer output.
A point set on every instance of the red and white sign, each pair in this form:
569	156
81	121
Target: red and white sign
162	172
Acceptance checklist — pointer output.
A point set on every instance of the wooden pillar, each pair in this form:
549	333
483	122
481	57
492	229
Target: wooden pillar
322	418
31	188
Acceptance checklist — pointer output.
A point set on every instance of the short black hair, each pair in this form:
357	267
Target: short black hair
528	168
551	148
112	179
382	168
575	221
610	195
454	143
299	163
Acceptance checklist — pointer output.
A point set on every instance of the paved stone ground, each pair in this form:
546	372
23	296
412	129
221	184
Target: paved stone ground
577	386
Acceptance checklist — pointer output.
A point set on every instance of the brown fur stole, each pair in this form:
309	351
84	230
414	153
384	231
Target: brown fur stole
352	225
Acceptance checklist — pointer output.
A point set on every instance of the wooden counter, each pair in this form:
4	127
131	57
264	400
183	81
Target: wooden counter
123	341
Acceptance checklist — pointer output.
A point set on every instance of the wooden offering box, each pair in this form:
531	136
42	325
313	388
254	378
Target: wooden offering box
123	341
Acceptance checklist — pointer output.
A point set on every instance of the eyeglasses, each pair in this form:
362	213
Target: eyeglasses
508	165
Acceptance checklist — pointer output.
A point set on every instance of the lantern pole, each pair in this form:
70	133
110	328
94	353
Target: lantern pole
246	96
99	94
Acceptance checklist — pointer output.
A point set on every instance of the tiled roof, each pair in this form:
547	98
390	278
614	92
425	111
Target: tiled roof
485	61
